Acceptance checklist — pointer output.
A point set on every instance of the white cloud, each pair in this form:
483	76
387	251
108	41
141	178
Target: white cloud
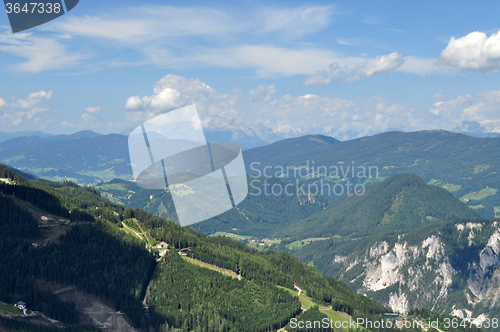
266	60
93	109
176	37
2	102
364	69
286	115
371	20
91	118
475	51
296	115
140	25
172	92
379	65
424	67
24	111
67	124
481	108
42	53
263	92
438	95
296	22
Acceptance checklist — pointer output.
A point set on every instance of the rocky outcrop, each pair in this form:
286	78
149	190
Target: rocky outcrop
451	271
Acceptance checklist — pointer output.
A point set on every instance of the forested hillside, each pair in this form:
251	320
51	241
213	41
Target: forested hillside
103	254
260	214
401	202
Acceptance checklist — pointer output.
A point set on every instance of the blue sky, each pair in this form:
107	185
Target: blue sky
344	69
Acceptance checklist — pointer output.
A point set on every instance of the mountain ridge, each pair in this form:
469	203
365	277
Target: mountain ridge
402	201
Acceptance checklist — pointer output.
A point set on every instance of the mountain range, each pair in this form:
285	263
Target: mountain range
464	165
411	236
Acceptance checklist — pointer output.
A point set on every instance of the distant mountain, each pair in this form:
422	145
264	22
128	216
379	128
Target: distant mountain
244	140
464	165
84	157
6	136
474	129
282	152
87	157
78	135
401	202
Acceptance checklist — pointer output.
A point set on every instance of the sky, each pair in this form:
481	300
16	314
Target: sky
345	69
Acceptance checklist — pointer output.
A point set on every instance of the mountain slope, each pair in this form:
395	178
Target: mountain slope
452	267
401	202
6	136
286	151
91	155
258	215
114	255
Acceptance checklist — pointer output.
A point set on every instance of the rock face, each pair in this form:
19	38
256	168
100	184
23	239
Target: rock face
455	269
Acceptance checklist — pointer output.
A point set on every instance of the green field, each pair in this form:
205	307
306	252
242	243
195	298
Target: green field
306	303
496	209
131	226
10	308
448	186
231	235
211	267
112	186
251	241
451	187
475	207
483	193
297	245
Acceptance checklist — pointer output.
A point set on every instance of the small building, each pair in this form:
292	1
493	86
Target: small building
20	305
184	251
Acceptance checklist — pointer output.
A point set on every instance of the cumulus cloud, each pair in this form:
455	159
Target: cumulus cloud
25	111
287	116
91	118
67	124
172	92
481	108
380	65
263	92
475	51
365	69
